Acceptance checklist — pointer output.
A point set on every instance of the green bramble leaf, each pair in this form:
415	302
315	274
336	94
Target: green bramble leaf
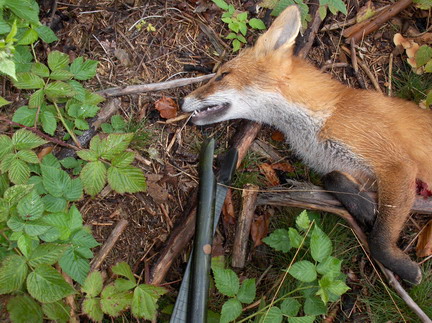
115	144
83	70
29	156
226	281
13	272
221	4
330	266
62	75
314	306
4	102
301	319
6	146
40	69
81	124
24	139
25	116
49	122
304	271
73	264
92	307
295	238
93	284
15	193
25	9
320	244
28	81
423	55
28	37
290	306
279	240
19	171
31	207
247	291
257	24
22	59
128	179
36	99
47	253
335	6
93	177
23	309
47	285
303	221
274	315
58	89
46	34
230	310
58	61
57	311
7	67
144	301
114	302
123	159
26	244
123	269
236	45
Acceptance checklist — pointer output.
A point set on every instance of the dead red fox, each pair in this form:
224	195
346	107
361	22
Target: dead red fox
358	138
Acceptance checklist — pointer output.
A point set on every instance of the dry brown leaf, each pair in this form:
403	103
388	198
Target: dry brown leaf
284	167
277	136
167	107
260	228
424	243
269	173
228	209
45	151
157	192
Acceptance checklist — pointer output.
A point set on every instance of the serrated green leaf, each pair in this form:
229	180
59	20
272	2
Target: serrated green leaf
27	10
236	45
28	81
74	190
114	302
93	177
28	156
273	315
231	309
13	273
290	306
4	102
24	309
74	265
314	306
231	36
303	221
88	155
123	159
257	24
123	269
83	70
15	193
428	67
124	284
4	210
57	90
226	281
320	244
128	179
335	6
294	237
7	67
55	180
144	302
22	59
330	265
81	124
6	163
25	116
69	163
115	144
92	307
49	122
6	146
279	240
304	271
57	311
221	4
46	34
58	61
247	291
423	55
28	37
47	253
31	207
40	69
18	172
301	319
47	285
93	284
51	160
35	227
36	99
59	227
61	75
24	139
82	238
118	122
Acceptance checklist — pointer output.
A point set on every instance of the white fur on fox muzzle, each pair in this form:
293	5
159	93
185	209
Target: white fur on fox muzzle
207	111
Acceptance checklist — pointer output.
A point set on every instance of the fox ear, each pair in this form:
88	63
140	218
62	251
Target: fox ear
282	33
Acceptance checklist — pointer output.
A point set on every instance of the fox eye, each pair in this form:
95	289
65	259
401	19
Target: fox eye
221	76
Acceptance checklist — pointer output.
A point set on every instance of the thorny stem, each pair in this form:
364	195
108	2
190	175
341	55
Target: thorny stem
70	132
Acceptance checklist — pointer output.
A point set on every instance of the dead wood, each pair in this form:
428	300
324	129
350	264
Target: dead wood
312	197
364	28
142	88
249	196
243	138
109	244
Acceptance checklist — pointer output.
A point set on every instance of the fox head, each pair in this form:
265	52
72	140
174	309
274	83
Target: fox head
245	85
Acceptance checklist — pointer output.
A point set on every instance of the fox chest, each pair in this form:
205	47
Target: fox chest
302	132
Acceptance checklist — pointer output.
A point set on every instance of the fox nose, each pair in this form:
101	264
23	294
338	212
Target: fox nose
181	101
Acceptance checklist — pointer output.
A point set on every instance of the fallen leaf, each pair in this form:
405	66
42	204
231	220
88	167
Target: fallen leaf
167	107
277	136
122	56
284	167
260	229
228	209
424	243
158	193
45	151
269	173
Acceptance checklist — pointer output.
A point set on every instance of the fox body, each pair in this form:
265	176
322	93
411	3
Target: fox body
366	140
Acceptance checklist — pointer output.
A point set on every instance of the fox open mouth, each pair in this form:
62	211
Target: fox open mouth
212	112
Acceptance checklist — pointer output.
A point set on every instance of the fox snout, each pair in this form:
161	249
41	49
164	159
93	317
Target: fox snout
207	111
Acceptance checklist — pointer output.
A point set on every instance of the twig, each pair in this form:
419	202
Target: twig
333	65
142	88
313	197
355	64
249	196
109	244
40	134
304	47
364	28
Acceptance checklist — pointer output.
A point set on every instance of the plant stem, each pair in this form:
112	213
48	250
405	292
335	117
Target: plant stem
70	132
